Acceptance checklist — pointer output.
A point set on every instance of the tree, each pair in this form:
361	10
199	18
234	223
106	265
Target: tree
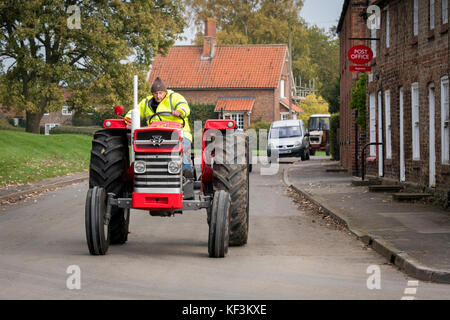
358	100
312	105
89	48
331	93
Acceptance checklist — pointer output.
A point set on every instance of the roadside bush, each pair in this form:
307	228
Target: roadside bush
75	130
334	139
263	126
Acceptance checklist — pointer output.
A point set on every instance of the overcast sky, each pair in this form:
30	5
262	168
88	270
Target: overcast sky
323	13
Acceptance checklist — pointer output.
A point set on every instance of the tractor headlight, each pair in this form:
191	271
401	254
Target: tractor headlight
174	167
139	167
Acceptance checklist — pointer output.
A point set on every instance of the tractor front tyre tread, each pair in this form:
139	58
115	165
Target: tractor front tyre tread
108	166
234	178
219	227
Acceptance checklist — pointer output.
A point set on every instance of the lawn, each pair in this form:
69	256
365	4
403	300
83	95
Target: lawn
26	157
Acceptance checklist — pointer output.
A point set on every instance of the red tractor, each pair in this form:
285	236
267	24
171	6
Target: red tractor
152	181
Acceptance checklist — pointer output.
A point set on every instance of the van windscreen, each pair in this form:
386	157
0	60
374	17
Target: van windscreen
285	132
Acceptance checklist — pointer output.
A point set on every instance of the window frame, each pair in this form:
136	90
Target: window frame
444	11
415	18
432	14
388	29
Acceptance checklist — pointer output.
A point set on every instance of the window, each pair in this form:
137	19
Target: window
239	119
46	113
373	132
431	14
444	11
415	121
66	111
373	43
282	95
416	18
284	115
387	113
388	39
445	120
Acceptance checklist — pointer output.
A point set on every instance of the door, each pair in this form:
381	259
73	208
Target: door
432	164
402	139
380	134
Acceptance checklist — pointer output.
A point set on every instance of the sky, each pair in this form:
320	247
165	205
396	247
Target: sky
323	13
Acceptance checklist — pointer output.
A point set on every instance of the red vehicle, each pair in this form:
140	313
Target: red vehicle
152	181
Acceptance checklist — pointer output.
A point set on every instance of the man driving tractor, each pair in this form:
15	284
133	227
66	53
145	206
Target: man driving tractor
170	102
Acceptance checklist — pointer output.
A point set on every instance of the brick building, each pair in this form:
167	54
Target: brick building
351	139
245	82
408	93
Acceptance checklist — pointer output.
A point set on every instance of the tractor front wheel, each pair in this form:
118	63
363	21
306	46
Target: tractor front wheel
97	228
108	166
219	225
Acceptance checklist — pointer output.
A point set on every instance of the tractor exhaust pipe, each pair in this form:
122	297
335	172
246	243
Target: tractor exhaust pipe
135	116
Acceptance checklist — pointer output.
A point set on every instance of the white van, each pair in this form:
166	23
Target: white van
288	138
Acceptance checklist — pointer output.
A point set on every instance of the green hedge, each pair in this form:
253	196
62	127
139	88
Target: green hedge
75	130
263	126
334	139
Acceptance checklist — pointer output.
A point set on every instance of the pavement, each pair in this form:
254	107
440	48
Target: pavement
413	236
18	192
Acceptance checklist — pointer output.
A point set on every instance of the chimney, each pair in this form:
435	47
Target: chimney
209	40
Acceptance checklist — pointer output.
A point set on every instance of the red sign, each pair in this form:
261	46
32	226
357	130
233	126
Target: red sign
360	54
360	68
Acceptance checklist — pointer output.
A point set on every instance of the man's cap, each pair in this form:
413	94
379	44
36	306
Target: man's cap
158	85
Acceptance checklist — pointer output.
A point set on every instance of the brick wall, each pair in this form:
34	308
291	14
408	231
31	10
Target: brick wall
423	59
351	139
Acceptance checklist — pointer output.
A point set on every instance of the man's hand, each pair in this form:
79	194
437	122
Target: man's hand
176	113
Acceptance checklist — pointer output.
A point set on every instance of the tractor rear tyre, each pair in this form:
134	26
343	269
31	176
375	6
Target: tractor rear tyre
108	167
219	226
233	177
97	230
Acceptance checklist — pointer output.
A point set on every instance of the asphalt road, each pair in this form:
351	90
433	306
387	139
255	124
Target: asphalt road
292	253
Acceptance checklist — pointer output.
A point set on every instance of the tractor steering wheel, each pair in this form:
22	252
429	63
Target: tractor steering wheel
165	114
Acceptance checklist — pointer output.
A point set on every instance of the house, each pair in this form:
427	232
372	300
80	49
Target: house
408	93
247	83
18	118
56	118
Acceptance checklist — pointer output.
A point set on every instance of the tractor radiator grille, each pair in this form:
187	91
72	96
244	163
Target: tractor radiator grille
157	178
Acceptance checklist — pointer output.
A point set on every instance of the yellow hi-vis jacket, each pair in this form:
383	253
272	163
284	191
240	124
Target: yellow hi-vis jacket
172	101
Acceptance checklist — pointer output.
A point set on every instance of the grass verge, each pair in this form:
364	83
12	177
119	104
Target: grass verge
27	157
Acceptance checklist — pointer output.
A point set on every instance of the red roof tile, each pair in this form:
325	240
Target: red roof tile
250	66
285	103
234	104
